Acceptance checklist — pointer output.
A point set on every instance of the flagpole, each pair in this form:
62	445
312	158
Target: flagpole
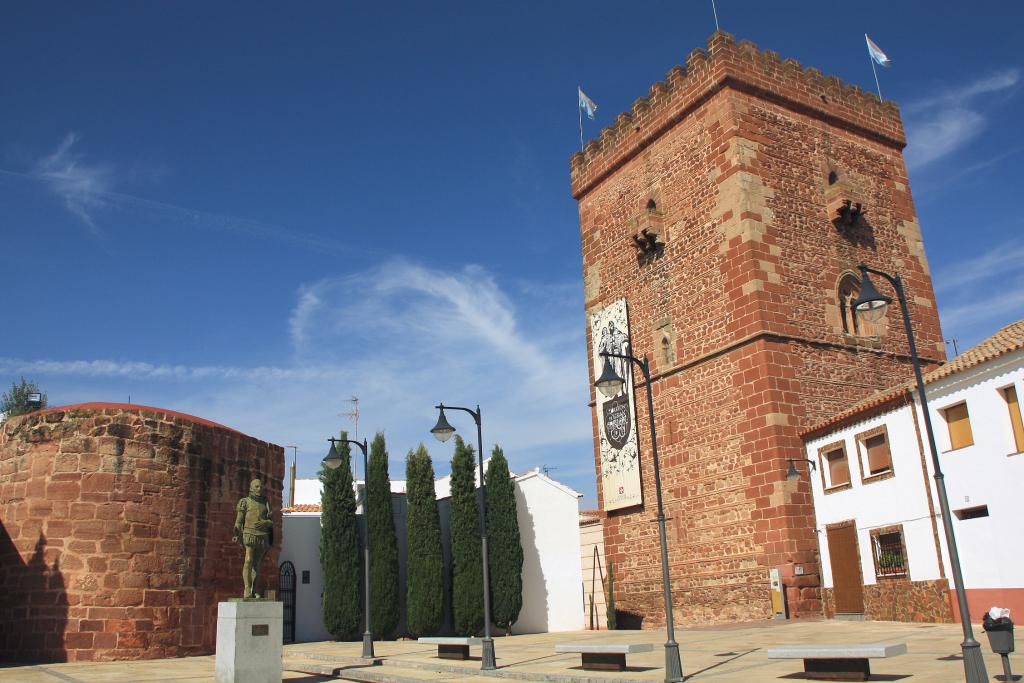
874	69
579	110
715	10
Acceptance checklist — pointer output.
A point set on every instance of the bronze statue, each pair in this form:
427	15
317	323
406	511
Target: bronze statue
255	529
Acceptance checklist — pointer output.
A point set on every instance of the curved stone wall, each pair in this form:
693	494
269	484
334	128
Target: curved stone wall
115	530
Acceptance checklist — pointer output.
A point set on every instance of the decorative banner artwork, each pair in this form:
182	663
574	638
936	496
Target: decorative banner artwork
616	416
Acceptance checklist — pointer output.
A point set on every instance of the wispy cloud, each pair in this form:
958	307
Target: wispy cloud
88	188
401	337
1003	258
940	124
980	294
82	186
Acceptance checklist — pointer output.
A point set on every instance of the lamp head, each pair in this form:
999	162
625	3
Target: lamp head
333	460
871	304
792	474
609	383
442	430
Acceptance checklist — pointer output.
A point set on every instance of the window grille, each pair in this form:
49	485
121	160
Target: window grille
889	556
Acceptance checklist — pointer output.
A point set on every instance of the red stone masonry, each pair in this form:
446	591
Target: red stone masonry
745	157
115	530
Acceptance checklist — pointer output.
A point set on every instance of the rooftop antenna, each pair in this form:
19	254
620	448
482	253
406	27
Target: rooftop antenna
353	415
547	468
956	351
715	10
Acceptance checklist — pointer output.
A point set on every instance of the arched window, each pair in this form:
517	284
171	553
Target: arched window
849	290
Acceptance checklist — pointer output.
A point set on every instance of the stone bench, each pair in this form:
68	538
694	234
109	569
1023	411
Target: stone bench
838	662
604	656
451	648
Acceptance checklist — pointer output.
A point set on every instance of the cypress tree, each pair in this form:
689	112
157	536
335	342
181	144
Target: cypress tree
610	605
467	571
504	547
383	542
339	549
425	583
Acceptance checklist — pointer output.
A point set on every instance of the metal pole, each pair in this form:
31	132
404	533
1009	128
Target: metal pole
487	660
673	664
368	634
974	665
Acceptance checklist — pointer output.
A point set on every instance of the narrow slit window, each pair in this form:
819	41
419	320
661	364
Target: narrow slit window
1010	394
972	513
959	423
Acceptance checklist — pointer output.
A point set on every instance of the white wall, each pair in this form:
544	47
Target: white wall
901	499
552	576
548	514
301	546
986	473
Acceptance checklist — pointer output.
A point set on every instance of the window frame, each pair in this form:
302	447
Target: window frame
823	464
885	531
1018	443
866	476
949	433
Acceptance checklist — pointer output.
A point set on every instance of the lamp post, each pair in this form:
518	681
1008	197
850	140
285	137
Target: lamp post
873	304
610	383
443	431
333	461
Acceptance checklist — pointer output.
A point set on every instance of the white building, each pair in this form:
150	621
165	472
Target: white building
548	514
883	549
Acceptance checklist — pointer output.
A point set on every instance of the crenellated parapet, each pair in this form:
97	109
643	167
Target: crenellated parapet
739	66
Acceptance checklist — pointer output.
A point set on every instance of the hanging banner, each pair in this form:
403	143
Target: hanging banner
616	416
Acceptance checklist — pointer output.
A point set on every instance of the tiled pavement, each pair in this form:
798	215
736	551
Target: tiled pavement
717	654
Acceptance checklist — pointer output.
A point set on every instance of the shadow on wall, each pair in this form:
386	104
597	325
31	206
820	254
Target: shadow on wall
533	618
33	604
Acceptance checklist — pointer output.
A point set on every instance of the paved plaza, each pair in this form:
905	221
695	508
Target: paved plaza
722	654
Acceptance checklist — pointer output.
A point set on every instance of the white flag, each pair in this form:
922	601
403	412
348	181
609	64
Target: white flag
876	53
586	104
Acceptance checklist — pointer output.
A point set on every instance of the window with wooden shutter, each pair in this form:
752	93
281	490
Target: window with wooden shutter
879	458
1010	394
959	424
838	467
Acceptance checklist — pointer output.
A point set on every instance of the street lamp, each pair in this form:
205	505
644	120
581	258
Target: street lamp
792	474
333	461
873	304
610	383
443	431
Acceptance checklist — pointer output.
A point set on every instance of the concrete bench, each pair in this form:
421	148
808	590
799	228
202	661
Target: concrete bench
838	662
604	656
451	648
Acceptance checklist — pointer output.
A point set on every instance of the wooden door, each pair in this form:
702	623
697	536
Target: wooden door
848	586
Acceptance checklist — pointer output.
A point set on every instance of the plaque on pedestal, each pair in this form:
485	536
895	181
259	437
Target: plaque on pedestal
249	641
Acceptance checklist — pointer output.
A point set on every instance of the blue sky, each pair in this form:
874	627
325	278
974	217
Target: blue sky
254	211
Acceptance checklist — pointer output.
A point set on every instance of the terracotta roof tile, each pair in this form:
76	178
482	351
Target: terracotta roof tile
303	507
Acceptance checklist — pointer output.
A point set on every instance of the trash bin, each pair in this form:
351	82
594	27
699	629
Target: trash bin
1000	634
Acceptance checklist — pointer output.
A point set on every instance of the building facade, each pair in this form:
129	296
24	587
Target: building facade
883	549
729	209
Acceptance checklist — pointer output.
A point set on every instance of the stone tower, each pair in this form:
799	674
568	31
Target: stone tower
765	183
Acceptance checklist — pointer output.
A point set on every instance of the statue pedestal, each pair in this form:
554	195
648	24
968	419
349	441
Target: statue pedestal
249	641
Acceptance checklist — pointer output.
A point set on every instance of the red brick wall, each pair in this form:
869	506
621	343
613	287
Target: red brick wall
115	530
736	150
